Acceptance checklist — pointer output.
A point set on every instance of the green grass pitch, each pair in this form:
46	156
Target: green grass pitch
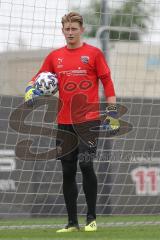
129	230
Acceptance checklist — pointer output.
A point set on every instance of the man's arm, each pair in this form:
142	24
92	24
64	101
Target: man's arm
111	121
47	66
31	92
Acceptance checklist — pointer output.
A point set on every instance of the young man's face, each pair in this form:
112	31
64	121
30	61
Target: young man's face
72	32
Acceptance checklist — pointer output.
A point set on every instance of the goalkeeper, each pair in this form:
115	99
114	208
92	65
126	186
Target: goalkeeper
79	67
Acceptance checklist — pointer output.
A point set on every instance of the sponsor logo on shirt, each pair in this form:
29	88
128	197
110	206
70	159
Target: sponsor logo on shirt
85	59
60	61
76	72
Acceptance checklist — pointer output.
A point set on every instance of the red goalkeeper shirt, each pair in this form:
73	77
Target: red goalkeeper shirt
79	71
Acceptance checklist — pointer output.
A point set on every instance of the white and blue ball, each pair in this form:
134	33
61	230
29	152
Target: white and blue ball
47	83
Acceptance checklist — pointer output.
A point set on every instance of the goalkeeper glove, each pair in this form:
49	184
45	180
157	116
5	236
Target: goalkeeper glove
30	94
111	122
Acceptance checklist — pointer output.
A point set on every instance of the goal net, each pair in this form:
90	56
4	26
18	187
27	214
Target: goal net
127	165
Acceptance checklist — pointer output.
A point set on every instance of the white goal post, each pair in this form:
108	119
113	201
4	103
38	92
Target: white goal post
127	166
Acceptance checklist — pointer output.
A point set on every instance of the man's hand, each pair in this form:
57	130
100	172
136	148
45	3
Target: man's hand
111	122
30	95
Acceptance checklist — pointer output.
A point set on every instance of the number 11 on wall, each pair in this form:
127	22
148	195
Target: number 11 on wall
147	180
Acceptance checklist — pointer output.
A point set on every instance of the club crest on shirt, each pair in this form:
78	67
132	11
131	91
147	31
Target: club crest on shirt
85	59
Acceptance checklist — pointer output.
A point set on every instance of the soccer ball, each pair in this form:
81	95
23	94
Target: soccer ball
47	83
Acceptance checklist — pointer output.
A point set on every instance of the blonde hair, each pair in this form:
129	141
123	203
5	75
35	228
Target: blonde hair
72	17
